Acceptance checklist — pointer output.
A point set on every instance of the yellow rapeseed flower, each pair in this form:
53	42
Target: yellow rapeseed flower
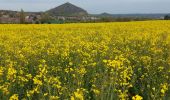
137	97
14	97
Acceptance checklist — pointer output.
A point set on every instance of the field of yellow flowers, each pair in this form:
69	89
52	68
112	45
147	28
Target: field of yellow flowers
102	61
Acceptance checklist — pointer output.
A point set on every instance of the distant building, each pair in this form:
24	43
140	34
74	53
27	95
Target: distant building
33	18
6	19
61	18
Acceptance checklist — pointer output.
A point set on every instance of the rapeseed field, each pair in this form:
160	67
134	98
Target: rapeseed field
102	61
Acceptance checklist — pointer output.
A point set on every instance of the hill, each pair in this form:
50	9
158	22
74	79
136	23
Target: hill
67	9
105	15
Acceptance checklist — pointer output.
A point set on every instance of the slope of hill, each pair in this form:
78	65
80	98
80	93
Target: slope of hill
67	9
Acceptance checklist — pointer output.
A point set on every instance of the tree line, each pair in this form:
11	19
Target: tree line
167	17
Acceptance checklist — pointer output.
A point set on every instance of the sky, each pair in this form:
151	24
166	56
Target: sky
92	6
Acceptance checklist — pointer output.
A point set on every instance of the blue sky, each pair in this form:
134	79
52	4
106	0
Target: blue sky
92	6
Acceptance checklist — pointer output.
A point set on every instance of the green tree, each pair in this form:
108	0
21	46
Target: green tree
45	17
0	18
166	17
22	17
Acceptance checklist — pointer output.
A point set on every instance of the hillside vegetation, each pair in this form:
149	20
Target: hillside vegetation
67	9
104	61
